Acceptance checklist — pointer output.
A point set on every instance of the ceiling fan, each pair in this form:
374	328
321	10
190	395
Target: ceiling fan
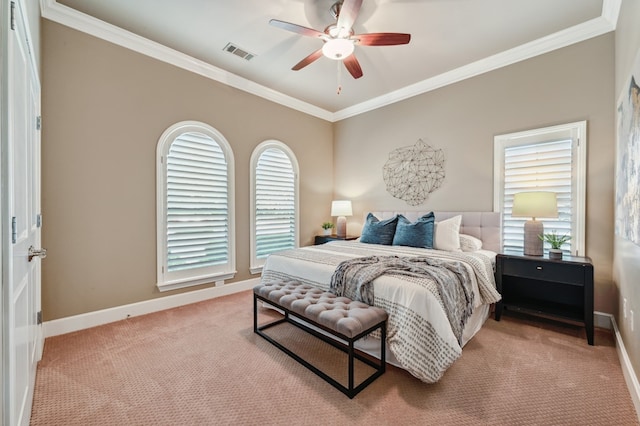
339	38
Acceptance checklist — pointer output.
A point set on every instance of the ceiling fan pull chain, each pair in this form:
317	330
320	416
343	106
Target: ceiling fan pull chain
339	63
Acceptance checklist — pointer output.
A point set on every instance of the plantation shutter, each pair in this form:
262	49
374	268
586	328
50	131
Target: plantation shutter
275	203
544	166
197	228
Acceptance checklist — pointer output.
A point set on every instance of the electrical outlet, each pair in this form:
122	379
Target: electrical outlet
631	318
624	308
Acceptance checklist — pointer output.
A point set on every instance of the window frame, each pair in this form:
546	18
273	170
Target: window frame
256	264
577	132
165	281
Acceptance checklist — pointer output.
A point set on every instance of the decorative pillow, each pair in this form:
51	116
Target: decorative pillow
417	234
469	243
377	231
447	234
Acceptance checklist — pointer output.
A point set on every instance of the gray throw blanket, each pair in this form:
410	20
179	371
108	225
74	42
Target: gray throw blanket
353	278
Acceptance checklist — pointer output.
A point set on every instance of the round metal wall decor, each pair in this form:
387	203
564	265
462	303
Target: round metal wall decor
413	172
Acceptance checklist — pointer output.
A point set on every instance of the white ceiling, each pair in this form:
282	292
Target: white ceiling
451	40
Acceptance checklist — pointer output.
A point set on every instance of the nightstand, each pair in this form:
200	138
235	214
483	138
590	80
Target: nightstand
321	239
558	288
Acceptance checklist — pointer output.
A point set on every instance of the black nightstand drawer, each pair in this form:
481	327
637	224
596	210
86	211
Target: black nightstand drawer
547	271
321	239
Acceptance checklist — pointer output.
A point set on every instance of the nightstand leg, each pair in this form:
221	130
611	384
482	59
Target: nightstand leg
588	323
588	303
498	312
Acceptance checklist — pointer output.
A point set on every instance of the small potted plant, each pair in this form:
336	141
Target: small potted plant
327	226
556	241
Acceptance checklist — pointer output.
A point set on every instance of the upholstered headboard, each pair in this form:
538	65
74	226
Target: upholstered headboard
483	225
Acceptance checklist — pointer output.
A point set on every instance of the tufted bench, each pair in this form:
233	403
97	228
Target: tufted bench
341	317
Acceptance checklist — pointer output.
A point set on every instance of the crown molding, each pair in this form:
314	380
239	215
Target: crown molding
558	40
611	11
52	10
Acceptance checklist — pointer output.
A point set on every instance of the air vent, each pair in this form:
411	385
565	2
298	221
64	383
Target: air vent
232	48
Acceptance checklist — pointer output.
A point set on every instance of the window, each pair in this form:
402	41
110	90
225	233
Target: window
274	201
195	202
550	159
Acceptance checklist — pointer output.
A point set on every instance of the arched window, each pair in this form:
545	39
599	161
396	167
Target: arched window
195	201
274	201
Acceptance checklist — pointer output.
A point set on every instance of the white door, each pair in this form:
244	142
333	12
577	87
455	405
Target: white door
22	334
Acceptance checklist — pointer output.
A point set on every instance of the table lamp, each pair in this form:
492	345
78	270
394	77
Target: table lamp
341	208
534	204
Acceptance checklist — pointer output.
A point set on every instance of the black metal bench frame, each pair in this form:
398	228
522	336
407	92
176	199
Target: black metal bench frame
348	348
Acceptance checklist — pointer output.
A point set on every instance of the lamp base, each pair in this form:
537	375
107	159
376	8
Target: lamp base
532	242
341	229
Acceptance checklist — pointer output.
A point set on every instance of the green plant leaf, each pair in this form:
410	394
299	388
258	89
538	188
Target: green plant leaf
556	241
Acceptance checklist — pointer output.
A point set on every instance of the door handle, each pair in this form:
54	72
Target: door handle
42	253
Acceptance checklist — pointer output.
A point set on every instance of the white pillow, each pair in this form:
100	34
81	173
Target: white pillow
469	243
447	234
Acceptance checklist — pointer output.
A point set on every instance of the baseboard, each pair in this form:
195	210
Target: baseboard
105	316
602	320
628	372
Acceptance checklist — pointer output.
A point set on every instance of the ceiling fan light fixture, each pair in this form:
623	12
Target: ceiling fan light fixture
338	48
339	38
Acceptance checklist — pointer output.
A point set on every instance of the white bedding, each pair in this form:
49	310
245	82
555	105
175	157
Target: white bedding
419	335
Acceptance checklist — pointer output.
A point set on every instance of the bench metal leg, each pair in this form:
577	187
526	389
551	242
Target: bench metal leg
349	349
350	365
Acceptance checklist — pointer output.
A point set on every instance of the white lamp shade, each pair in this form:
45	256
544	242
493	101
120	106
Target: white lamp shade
341	208
535	204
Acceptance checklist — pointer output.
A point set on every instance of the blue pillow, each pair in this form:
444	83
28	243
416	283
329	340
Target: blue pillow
417	234
377	231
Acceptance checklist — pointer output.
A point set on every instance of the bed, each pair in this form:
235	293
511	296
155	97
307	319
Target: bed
421	337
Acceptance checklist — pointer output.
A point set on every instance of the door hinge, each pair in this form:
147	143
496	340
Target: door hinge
39	220
39	317
13	15
14	230
38	122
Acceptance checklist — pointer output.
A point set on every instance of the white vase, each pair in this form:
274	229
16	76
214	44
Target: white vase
327	231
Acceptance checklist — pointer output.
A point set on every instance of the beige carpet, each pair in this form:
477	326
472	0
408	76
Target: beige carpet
202	365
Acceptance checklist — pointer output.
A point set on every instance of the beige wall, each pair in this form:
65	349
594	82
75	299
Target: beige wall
104	108
571	84
627	254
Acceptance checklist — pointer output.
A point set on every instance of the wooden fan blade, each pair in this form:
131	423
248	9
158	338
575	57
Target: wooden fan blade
348	13
353	66
298	29
309	59
381	39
